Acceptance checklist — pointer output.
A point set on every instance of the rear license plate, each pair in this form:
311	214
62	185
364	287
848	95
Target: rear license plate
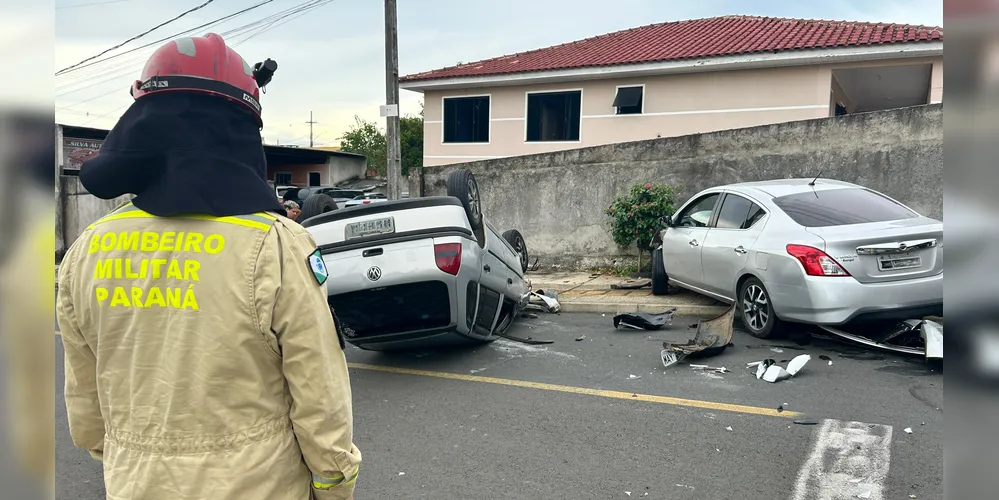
369	228
897	261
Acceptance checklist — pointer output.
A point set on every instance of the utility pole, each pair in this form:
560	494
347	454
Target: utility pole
393	155
311	122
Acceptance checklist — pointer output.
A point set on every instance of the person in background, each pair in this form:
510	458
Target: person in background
202	360
292	209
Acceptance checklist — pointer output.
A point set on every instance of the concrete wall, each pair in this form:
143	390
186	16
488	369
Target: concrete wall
337	169
557	199
76	209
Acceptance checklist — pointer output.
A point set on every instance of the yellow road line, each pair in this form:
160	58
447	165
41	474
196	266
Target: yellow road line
694	403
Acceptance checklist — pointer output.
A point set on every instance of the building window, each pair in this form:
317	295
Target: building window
628	100
315	178
466	119
282	178
553	116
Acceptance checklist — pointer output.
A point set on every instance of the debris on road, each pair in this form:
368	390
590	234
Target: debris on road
528	315
644	321
546	301
866	494
631	285
780	408
729	428
778	350
633	377
806	422
710	368
921	337
581	337
907	430
711	338
770	371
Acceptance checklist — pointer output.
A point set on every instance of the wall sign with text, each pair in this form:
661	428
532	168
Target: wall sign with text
77	151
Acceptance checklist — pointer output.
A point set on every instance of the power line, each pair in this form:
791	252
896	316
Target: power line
140	35
80	66
90	4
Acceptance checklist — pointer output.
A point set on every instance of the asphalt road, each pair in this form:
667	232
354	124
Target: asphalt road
570	420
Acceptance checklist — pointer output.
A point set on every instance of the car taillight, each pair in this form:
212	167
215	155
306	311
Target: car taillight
448	257
815	261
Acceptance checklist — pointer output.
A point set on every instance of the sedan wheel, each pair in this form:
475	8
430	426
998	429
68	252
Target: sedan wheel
757	312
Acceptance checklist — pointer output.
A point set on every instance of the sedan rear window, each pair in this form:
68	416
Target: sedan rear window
841	207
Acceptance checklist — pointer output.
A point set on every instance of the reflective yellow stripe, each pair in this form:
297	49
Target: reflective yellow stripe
325	483
259	220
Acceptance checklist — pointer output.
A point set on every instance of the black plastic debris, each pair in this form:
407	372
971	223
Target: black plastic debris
631	285
644	321
806	422
823	357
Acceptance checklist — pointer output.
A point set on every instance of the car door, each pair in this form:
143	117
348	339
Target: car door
728	243
682	240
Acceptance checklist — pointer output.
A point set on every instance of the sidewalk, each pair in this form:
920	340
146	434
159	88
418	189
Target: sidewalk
586	292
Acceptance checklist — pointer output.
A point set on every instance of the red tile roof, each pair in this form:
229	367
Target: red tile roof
717	36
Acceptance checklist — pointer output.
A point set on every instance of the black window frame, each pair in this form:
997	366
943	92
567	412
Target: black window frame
573	129
277	177
475	133
319	179
788	201
716	216
714	210
635	109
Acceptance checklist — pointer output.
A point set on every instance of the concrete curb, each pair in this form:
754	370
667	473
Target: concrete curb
622	307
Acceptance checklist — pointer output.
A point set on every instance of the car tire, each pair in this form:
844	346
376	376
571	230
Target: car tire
461	184
756	310
314	205
660	280
516	240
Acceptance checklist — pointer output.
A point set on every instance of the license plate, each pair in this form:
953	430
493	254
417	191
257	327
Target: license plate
897	261
369	228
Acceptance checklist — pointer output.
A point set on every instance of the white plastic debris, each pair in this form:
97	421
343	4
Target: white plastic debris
907	430
797	364
778	350
933	337
402	473
856	480
775	374
729	428
669	358
866	494
627	493
720	369
830	363
633	377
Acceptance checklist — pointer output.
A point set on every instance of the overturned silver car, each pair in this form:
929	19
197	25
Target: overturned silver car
422	272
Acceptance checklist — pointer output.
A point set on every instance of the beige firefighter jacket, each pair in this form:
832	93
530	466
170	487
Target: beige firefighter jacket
202	361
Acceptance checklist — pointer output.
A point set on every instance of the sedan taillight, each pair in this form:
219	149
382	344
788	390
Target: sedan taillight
815	261
448	256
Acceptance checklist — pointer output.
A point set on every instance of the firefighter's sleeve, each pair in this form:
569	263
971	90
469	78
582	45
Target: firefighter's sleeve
291	300
83	409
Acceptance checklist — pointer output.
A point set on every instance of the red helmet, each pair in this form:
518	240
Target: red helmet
205	64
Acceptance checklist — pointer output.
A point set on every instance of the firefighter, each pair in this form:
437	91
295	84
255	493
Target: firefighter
202	359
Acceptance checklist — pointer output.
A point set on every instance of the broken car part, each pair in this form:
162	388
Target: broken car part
711	338
644	321
630	285
550	304
916	337
721	369
770	371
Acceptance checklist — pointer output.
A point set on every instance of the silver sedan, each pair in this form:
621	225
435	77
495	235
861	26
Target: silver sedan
813	251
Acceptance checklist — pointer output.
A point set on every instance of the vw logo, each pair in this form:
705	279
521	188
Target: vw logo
374	273
902	246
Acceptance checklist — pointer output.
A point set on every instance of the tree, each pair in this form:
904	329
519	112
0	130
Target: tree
365	138
635	216
411	138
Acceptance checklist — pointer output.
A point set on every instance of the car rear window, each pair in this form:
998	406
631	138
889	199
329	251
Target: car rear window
841	207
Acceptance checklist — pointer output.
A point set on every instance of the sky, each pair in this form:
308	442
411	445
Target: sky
331	58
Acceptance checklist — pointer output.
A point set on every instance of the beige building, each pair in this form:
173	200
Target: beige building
674	79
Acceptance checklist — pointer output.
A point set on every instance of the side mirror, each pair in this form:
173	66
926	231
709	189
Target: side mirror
666	221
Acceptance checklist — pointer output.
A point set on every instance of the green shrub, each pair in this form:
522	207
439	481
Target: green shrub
635	216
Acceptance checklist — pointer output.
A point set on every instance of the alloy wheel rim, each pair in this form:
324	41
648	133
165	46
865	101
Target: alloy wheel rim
473	198
755	308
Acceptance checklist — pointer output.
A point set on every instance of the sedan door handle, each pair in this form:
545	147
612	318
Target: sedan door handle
693	243
739	249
